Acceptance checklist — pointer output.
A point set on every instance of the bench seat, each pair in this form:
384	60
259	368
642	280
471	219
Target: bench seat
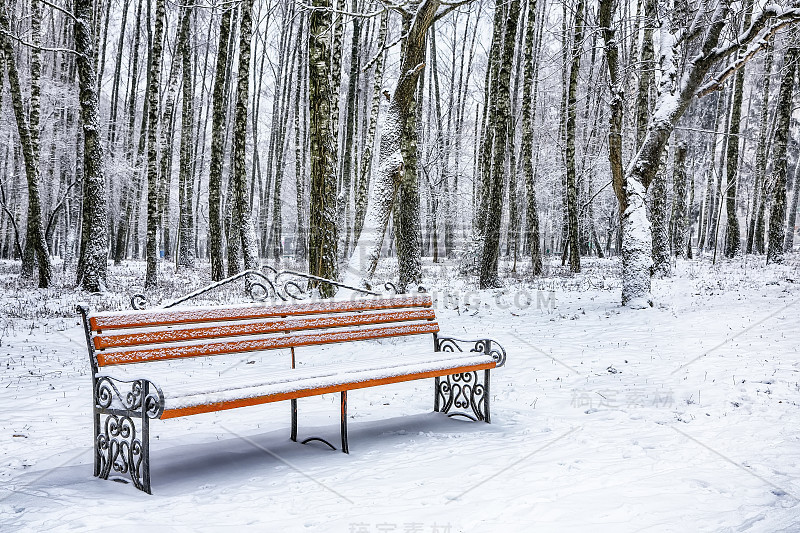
208	391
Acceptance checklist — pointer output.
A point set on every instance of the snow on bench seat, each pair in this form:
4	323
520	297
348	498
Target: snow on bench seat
185	395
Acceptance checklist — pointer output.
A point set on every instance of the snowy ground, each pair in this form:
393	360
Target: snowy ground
684	417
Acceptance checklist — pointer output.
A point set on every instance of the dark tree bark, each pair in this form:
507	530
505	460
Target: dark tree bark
186	181
755	237
679	210
93	264
154	81
219	118
323	241
29	142
777	215
571	180
532	215
733	235
502	125
247	231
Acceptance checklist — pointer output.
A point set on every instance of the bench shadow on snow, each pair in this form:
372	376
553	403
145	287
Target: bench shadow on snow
236	460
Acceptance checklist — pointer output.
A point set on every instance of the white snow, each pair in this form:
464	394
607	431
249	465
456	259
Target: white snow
681	417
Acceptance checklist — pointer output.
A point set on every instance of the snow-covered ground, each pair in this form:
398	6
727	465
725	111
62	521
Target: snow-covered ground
683	417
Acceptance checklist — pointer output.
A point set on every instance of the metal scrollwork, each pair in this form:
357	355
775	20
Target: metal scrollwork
284	285
389	286
487	346
118	448
462	391
139	301
108	396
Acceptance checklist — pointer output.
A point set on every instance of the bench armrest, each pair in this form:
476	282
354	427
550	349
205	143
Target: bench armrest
487	346
138	395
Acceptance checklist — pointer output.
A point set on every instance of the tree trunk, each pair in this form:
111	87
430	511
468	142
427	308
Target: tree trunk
130	193
502	125
112	125
186	181
788	243
755	235
397	166
662	266
151	276
323	240
35	231
733	235
93	264
301	235
350	162
532	216
242	212
362	188
219	118
777	215
679	210
571	180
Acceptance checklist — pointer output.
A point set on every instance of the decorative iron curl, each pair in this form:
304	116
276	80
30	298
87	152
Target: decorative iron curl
292	289
463	391
268	284
487	346
118	448
139	301
389	286
108	395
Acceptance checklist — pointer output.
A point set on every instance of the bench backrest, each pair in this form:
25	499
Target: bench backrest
154	335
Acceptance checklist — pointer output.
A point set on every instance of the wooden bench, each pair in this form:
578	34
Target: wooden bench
158	364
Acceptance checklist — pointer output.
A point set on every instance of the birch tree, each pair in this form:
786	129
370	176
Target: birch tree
247	231
154	81
502	134
677	86
93	264
397	159
35	228
323	239
777	214
219	118
186	183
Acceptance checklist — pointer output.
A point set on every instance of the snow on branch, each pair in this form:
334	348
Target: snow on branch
450	7
42	48
348	13
782	18
789	17
415	69
381	50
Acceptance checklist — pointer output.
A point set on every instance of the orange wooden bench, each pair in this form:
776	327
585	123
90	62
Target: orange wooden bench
161	364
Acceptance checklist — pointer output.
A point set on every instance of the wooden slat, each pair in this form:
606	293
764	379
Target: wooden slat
106	321
257	328
269	343
244	402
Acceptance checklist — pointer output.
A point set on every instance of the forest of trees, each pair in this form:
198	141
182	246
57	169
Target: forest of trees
335	132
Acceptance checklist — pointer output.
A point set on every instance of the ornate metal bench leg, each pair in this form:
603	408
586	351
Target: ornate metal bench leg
436	407
97	465
118	447
464	391
294	421
345	447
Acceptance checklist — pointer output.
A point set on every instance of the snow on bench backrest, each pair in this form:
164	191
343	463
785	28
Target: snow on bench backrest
152	335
